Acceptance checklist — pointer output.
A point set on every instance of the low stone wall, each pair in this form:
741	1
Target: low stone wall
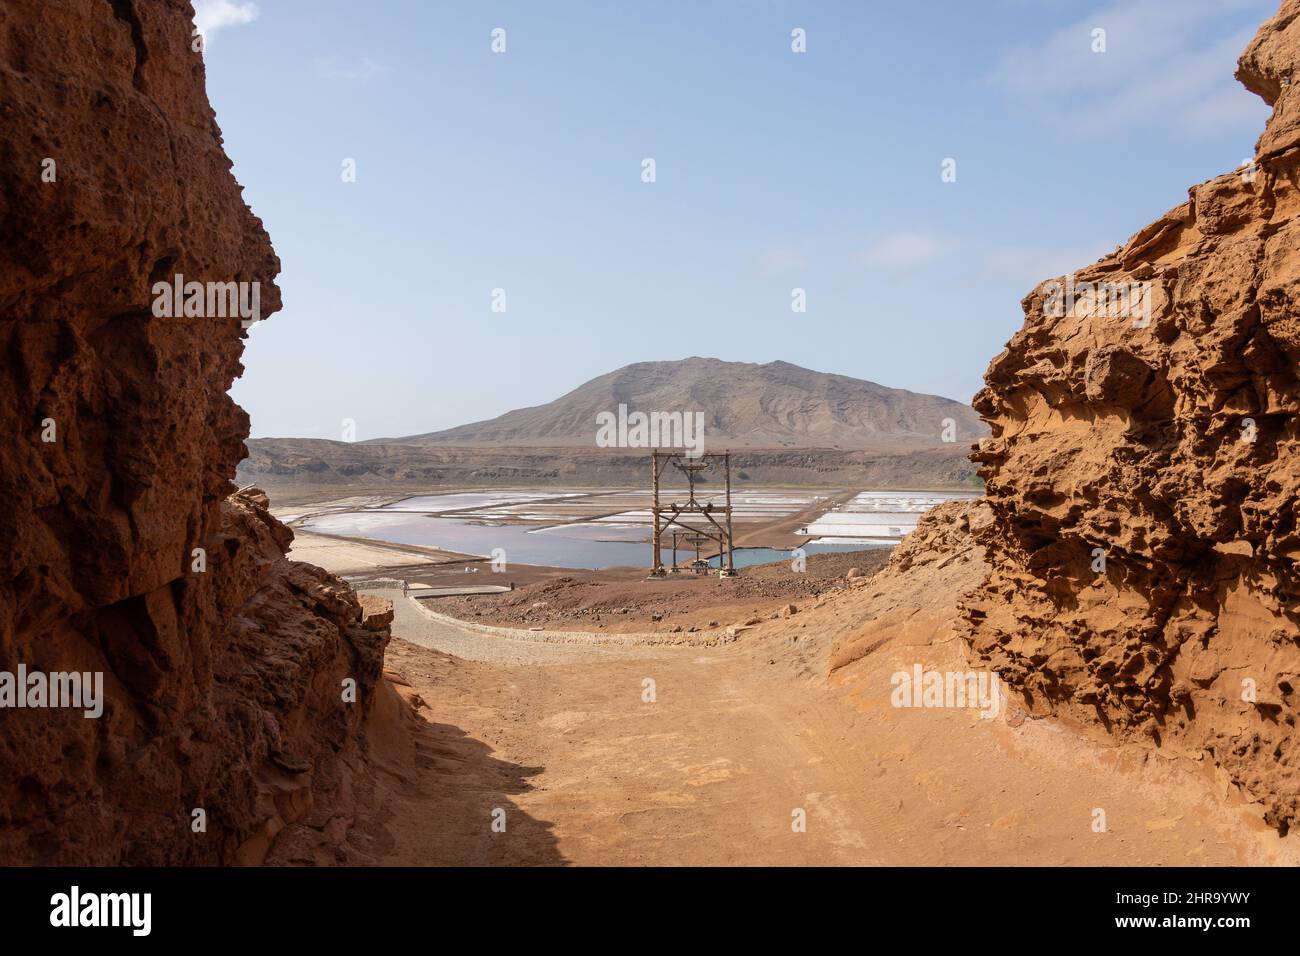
712	638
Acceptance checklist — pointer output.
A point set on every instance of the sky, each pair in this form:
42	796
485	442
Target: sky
524	171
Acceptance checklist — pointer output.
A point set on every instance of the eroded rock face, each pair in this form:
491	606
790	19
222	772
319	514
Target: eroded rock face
1162	437
222	667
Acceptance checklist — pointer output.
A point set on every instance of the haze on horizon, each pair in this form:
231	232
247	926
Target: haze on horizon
774	170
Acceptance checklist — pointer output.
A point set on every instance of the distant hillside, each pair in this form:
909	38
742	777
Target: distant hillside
290	467
745	405
787	424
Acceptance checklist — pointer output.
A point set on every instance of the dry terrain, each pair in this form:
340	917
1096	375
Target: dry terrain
618	601
1153	701
737	743
737	740
309	468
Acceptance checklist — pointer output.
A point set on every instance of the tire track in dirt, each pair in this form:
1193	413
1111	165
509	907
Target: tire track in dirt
740	736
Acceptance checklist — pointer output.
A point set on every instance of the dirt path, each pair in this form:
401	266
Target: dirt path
739	742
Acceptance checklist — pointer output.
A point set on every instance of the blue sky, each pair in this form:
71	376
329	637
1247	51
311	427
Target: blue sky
821	170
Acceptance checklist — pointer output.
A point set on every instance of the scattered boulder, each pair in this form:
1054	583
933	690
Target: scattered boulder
376	612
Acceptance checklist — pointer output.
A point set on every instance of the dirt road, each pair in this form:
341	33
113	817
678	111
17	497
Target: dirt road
722	757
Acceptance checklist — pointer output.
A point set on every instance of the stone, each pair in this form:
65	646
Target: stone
1143	475
125	548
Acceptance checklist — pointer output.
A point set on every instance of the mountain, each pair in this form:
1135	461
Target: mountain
745	405
296	468
788	425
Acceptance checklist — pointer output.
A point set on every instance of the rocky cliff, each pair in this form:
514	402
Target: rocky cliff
1144	467
225	668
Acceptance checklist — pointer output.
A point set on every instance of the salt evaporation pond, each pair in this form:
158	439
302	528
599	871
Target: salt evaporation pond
523	544
878	517
596	530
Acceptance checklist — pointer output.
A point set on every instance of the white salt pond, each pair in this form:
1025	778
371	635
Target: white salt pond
463	501
604	529
878	517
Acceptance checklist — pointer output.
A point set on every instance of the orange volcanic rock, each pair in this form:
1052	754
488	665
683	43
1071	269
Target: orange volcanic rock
122	552
1144	469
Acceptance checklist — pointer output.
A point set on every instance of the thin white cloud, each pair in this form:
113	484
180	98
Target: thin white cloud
363	69
1163	62
904	251
210	16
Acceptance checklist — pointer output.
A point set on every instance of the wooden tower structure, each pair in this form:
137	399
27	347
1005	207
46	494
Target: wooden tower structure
693	521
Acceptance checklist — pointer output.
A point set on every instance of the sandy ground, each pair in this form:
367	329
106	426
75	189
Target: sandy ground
564	746
354	557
